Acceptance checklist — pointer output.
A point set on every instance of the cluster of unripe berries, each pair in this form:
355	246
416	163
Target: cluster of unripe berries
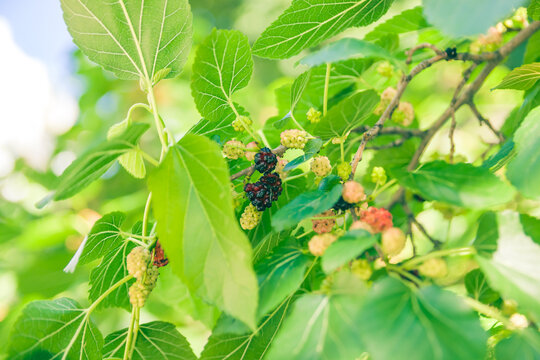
403	115
146	274
294	138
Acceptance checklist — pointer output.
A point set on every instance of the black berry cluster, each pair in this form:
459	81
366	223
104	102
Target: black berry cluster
263	192
342	205
451	53
265	161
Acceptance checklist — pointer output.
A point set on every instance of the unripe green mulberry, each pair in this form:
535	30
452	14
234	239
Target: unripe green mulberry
321	166
233	149
344	170
386	98
250	217
393	241
362	269
137	261
313	116
404	114
378	175
434	268
151	277
385	69
240	123
141	289
294	139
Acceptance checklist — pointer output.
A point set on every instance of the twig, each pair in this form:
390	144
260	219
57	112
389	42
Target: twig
483	120
390	145
436	243
411	52
451	136
279	151
394	130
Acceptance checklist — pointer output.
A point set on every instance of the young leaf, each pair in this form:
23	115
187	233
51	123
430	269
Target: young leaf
487	234
198	229
223	65
156	340
347	115
531	227
104	237
280	275
398	322
521	78
91	165
133	162
133	39
307	23
54	329
407	21
457	184
347	248
310	150
478	288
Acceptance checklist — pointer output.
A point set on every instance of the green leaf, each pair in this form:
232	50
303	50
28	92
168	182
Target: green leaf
431	323
280	275
156	340
298	87
457	184
521	78
524	170
306	205
487	234
54	329
534	10
198	229
347	248
348	114
307	23
524	345
223	65
501	158
465	17
478	288
345	49
91	165
311	149
104	237
133	39
133	162
407	21
531	227
323	326
513	269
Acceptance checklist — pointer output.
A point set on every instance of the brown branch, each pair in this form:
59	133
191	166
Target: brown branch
279	151
483	120
451	136
411	52
436	243
394	130
392	144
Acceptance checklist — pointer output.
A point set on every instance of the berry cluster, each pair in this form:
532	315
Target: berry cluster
137	265
294	138
325	223
265	161
265	191
250	217
321	166
378	219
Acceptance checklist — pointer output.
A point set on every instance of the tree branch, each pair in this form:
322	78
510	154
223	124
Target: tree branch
279	151
483	120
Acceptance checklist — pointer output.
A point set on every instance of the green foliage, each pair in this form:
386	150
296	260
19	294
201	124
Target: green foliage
347	248
521	78
104	237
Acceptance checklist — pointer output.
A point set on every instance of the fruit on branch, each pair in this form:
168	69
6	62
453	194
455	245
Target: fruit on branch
433	268
250	217
264	191
393	241
340	139
141	289
294	138
353	192
361	225
519	321
342	205
241	123
489	42
386	97
233	149
250	154
160	259
378	219
344	170
137	262
404	114
322	225
265	161
319	243
378	175
321	166
280	167
385	69
361	268
313	115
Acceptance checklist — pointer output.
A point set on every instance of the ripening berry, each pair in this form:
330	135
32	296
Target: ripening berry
294	138
321	226
386	98
241	123
313	116
250	217
344	170
319	243
280	167
385	69
361	268
250	154
378	219
233	149
320	166
433	268
360	225
353	192
519	321
393	241
378	175
137	261
404	114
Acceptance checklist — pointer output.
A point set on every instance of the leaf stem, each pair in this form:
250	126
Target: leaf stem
108	292
129	337
326	84
160	126
468	250
137	106
149	158
145	216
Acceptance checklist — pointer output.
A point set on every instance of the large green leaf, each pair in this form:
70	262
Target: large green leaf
513	268
196	225
347	248
91	165
531	227
457	184
55	329
398	322
347	115
311	149
487	234
323	326
465	17
524	170
306	23
534	10
133	39
408	20
523	345
478	288
104	237
222	66
521	78
156	340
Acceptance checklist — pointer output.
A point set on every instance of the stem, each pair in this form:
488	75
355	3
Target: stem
145	216
297	123
488	311
342	150
440	253
160	127
129	339
149	158
135	330
382	188
295	177
326	84
108	292
137	106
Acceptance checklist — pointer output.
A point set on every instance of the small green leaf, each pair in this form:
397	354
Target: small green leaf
307	23
198	229
457	184
347	248
407	21
223	65
55	329
531	227
133	162
478	288
104	237
160	75
348	114
487	234
133	39
311	149
156	340
521	78
431	323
